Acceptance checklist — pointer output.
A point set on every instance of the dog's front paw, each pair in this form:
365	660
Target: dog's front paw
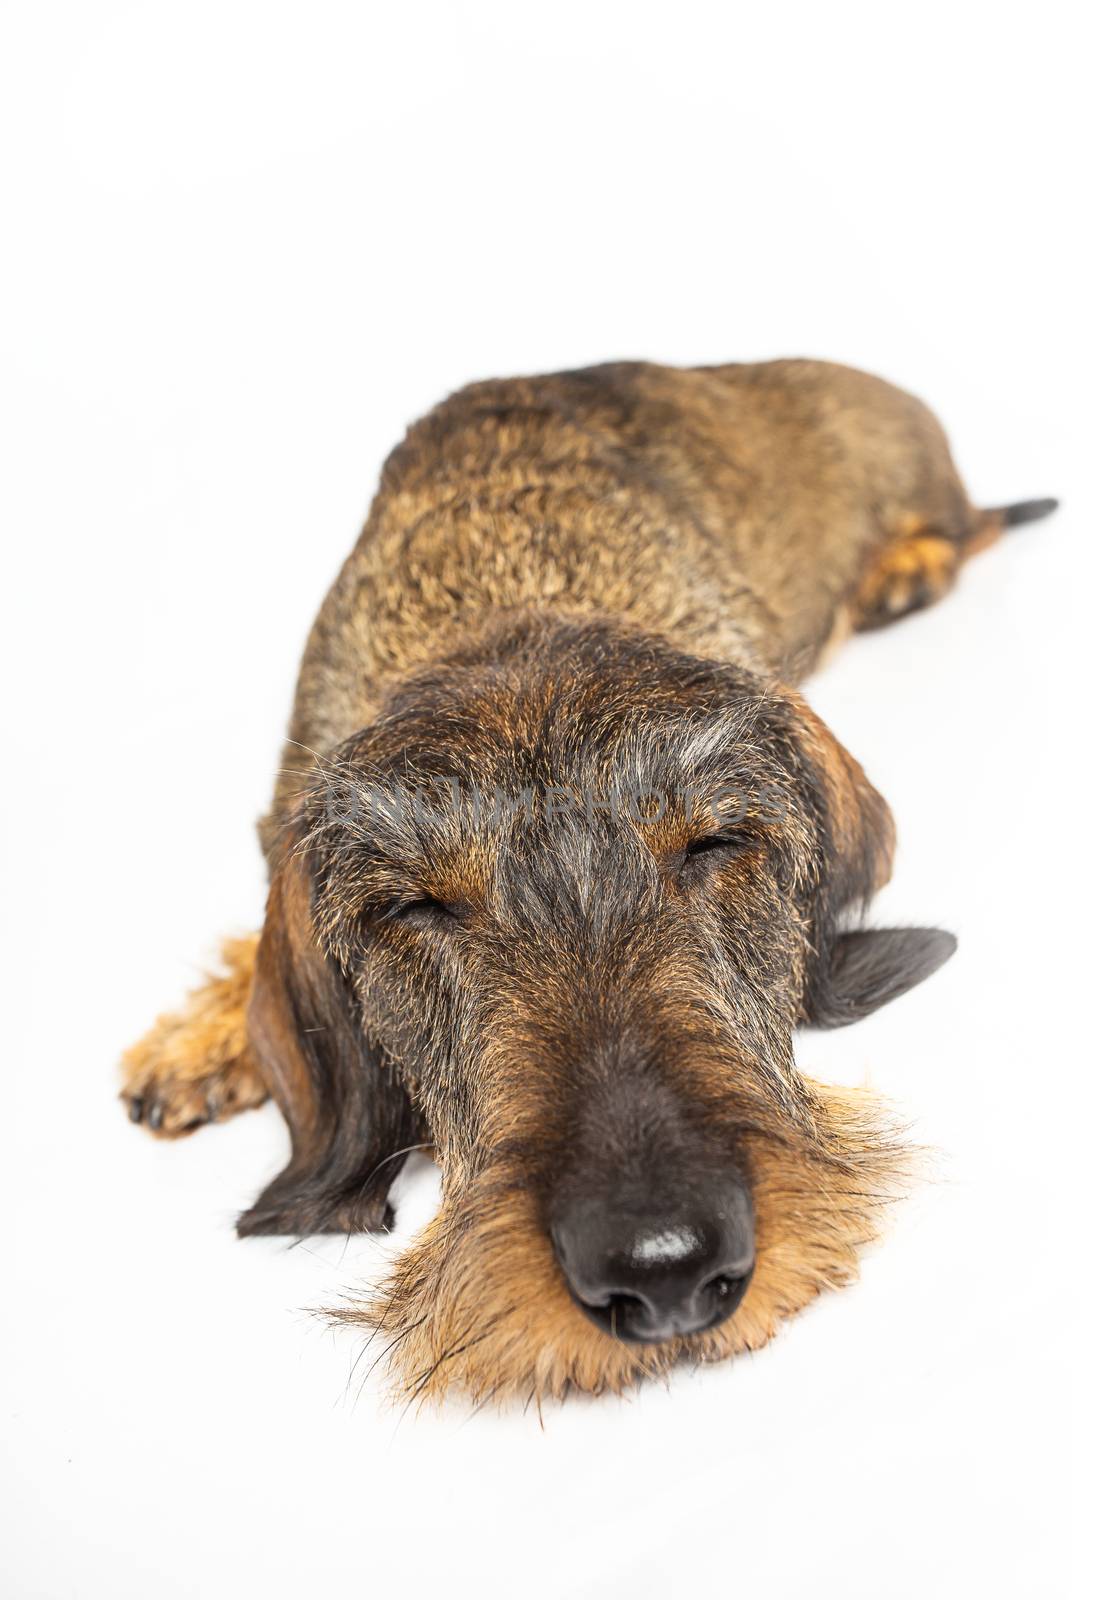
172	1104
194	1065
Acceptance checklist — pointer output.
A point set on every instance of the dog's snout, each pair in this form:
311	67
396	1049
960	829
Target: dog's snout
648	1273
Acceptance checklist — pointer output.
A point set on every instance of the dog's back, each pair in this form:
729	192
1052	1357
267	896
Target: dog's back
737	511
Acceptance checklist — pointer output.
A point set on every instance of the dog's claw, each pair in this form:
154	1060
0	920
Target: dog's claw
172	1108
161	1116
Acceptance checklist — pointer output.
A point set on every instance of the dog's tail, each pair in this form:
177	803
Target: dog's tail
1021	511
993	522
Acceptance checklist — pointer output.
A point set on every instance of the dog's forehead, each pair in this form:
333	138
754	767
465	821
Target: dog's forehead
584	716
582	761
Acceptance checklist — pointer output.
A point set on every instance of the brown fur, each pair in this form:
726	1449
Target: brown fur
568	580
731	510
195	1065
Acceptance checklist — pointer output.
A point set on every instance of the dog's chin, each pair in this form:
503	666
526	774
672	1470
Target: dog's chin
477	1303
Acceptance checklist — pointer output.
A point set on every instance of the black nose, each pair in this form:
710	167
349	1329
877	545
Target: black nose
645	1272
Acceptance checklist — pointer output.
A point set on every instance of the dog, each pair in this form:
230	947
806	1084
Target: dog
560	858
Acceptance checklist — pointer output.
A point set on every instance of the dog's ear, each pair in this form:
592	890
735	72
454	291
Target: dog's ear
867	967
856	832
851	974
350	1119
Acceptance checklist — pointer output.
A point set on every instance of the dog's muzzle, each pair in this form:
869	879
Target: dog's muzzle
646	1272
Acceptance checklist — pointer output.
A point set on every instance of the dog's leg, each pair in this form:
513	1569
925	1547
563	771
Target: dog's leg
194	1065
919	565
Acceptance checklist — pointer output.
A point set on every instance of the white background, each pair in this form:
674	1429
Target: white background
245	244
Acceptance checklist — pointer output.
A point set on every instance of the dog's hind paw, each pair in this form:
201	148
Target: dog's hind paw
913	572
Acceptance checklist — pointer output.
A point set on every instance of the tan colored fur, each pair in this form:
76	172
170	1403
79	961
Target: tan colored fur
194	1065
476	1302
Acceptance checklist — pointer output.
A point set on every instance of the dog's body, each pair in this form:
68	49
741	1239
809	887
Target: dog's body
735	511
602	584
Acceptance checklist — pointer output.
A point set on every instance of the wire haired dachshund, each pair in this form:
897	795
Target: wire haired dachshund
560	858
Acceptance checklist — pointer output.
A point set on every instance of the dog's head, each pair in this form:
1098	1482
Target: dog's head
557	912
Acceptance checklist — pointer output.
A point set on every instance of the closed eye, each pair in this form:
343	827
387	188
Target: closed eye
425	912
714	849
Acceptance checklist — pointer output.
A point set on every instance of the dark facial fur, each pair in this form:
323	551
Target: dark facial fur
585	975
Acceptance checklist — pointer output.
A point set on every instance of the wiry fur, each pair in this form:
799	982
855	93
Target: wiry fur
598	584
477	1303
